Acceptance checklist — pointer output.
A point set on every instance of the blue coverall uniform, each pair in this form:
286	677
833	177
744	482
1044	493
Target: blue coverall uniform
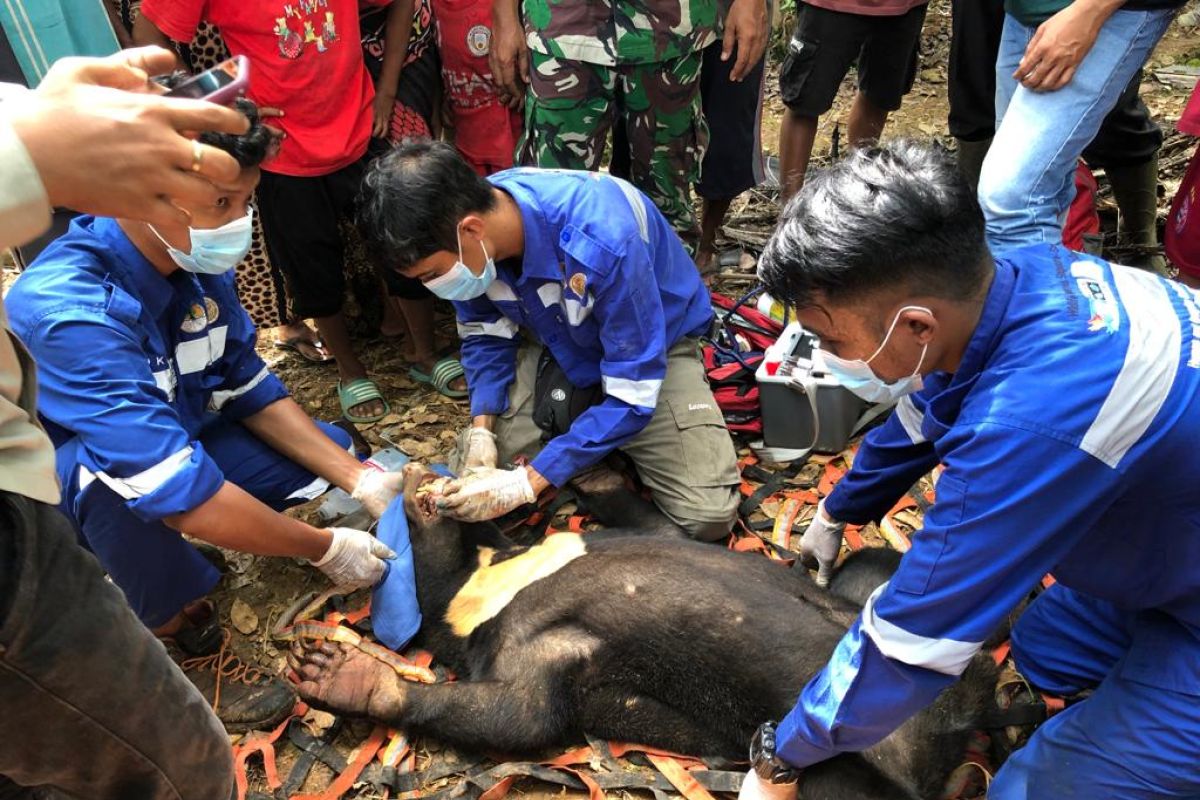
1069	438
143	380
607	286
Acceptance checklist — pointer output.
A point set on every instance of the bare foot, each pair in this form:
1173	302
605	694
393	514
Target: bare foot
340	678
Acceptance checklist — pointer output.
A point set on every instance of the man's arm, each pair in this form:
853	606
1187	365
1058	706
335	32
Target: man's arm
489	355
891	459
288	430
985	543
146	32
509	54
1061	43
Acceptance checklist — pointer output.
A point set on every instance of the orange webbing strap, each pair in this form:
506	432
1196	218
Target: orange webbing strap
1053	704
781	534
853	537
361	758
350	617
829	477
1000	654
260	742
679	777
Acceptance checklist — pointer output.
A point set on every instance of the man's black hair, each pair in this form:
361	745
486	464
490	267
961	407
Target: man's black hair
250	148
884	217
413	199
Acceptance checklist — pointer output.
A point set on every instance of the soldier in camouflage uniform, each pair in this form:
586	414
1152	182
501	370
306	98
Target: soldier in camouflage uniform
636	63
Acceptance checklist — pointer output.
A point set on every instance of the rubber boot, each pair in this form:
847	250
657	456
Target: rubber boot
970	159
1135	188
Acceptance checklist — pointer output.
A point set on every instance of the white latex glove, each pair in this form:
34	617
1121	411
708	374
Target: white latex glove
376	490
354	559
754	788
822	541
486	494
478	448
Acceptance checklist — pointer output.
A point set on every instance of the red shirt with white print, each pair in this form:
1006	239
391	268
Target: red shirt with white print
305	58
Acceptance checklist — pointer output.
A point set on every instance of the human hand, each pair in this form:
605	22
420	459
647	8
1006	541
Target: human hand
1058	47
508	57
382	108
486	494
376	489
746	27
755	788
105	142
354	559
822	541
478	448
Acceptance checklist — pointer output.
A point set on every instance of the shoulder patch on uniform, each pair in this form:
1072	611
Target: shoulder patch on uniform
492	586
578	283
1102	303
196	319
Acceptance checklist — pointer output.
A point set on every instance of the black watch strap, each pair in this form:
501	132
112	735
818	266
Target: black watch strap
763	760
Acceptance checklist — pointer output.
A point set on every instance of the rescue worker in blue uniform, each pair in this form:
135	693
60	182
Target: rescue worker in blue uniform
165	419
1061	394
592	274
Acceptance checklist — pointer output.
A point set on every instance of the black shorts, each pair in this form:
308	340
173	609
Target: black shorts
733	162
301	220
825	45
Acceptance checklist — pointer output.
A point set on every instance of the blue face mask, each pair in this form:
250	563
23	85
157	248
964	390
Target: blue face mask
215	251
459	282
857	376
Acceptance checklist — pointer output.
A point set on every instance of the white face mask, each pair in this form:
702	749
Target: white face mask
459	282
857	376
214	250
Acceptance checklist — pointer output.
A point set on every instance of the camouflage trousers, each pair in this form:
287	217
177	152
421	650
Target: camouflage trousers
571	106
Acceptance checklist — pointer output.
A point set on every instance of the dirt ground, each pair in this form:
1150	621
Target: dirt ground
423	423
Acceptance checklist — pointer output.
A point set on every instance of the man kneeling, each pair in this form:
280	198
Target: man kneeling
602	287
165	419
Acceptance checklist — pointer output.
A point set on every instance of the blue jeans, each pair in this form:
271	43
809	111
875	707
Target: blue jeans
156	568
1136	737
1027	179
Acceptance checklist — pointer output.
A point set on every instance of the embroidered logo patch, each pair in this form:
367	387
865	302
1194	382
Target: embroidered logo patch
195	321
211	310
578	283
1102	303
479	40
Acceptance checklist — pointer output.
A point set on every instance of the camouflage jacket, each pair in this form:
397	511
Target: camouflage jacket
612	32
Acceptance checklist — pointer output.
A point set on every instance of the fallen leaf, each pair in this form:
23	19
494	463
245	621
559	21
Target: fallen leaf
243	617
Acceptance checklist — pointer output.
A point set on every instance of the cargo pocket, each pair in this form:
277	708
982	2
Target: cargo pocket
796	68
928	545
707	450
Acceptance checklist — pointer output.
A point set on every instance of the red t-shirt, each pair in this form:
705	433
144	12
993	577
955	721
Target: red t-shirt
305	59
485	131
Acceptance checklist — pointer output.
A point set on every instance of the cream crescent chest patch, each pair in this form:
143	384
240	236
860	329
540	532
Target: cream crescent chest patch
492	587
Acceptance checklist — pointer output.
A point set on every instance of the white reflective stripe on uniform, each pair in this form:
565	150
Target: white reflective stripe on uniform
910	419
550	293
636	393
165	381
219	399
1146	377
634	197
197	354
147	480
947	656
498	291
504	327
313	490
576	311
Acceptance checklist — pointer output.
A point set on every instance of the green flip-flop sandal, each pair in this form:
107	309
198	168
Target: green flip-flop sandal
444	373
357	392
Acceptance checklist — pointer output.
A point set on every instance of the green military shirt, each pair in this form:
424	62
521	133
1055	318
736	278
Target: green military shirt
612	32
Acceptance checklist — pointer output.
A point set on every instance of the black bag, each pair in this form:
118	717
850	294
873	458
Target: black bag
556	401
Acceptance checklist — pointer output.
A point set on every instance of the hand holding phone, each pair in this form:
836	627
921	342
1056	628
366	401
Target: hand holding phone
221	84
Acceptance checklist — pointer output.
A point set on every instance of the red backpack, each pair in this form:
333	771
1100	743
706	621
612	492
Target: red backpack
732	353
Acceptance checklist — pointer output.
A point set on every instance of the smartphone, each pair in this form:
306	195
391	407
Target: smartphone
221	84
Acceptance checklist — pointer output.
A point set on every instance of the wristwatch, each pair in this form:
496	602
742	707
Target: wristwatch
763	760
